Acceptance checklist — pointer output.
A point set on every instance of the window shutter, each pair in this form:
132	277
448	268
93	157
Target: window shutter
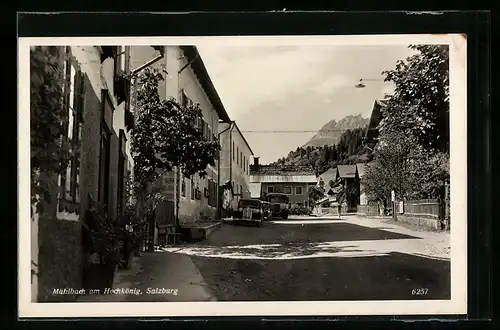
81	96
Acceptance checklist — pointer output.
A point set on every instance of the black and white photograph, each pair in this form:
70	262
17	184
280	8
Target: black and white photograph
284	175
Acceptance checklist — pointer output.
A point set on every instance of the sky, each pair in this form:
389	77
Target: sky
296	89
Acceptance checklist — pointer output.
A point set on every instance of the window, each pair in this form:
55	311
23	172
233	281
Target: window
232	150
104	165
241	159
121	171
288	190
121	57
241	189
74	103
237	155
298	190
183	187
192	187
244	163
270	189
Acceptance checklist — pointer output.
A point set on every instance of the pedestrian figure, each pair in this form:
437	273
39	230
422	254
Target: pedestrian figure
339	208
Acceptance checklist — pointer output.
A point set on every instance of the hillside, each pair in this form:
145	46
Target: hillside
349	150
331	132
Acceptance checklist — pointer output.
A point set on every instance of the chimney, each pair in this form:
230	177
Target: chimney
256	161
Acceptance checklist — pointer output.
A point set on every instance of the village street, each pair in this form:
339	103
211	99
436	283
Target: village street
303	258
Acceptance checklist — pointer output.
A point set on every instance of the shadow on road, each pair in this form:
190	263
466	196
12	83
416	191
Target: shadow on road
297	233
390	277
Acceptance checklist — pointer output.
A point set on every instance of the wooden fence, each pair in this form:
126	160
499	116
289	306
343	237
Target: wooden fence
371	210
424	212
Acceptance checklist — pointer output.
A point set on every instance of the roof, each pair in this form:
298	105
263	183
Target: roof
255	188
191	53
361	167
282	170
243	137
283	178
375	117
334	190
329	175
347	171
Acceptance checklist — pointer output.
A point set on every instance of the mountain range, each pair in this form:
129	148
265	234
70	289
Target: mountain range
331	132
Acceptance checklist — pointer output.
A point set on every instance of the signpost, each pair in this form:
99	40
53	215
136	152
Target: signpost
393	202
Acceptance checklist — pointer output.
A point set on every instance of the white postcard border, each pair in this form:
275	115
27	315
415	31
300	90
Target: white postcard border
458	193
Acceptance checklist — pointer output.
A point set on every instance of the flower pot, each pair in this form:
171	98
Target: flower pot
98	276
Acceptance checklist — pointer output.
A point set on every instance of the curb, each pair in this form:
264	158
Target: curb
197	234
211	228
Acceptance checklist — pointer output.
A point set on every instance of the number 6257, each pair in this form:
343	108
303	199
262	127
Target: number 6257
419	292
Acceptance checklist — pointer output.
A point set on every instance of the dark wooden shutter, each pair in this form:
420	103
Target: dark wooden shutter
81	95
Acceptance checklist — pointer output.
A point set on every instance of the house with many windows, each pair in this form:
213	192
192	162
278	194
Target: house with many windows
293	181
97	123
186	79
234	165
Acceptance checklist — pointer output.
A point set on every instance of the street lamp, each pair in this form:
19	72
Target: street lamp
361	84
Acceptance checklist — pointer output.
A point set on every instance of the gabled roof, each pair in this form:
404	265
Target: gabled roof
290	170
329	175
375	117
243	137
334	190
347	171
311	178
192	54
361	167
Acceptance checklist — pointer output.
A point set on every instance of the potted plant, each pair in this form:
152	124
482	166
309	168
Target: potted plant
131	235
103	247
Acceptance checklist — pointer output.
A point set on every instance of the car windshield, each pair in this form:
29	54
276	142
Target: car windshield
277	199
249	203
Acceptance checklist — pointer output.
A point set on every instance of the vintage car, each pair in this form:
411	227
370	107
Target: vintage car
266	210
249	211
280	205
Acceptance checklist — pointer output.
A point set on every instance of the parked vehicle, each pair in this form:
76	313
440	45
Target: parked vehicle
266	210
280	205
249	211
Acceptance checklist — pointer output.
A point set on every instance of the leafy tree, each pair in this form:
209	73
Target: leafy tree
165	136
419	106
50	151
397	167
316	193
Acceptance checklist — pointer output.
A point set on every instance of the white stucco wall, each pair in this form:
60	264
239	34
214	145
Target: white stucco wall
231	169
189	209
101	77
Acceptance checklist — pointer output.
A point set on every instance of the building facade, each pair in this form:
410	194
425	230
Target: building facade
363	198
97	123
186	80
294	181
348	175
234	164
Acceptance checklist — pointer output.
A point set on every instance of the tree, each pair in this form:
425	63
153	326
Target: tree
316	193
419	106
49	148
397	167
165	136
